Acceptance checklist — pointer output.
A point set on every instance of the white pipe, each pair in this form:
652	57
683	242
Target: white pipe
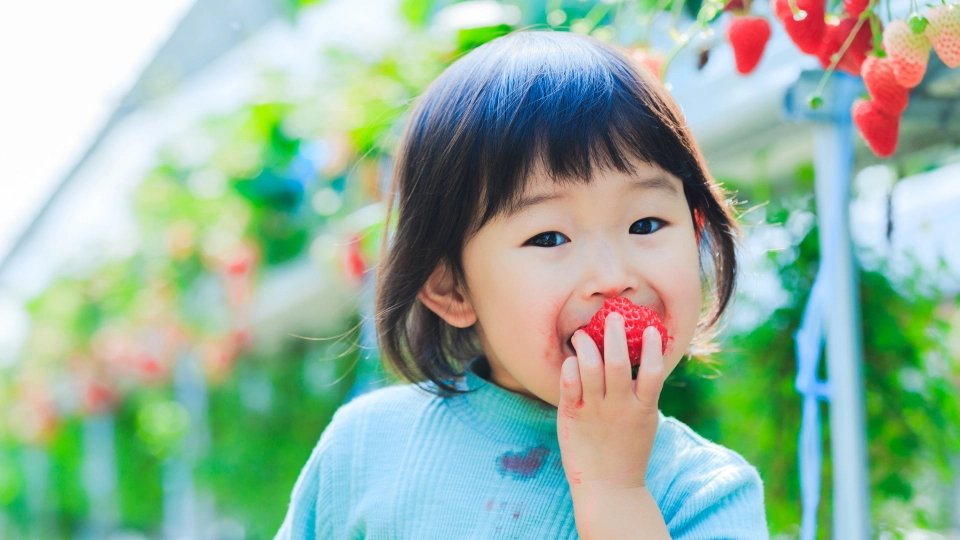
833	163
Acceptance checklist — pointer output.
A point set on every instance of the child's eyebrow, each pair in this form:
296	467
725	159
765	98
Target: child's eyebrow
659	181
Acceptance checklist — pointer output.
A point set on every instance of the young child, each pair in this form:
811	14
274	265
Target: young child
539	176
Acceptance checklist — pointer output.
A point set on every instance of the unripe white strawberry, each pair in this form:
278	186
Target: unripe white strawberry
944	32
908	52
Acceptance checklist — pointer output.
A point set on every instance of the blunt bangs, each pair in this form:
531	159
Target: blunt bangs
551	103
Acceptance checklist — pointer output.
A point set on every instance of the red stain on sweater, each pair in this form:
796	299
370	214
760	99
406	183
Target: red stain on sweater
523	465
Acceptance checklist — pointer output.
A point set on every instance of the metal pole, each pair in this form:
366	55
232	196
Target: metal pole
833	164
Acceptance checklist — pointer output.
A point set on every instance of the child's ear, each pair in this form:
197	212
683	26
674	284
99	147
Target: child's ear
442	298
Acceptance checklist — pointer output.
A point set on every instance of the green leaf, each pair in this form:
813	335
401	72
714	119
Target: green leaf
918	23
416	12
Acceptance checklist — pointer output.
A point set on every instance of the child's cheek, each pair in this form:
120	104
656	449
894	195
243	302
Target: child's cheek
683	309
547	318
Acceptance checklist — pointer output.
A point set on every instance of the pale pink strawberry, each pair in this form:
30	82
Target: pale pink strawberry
944	32
908	52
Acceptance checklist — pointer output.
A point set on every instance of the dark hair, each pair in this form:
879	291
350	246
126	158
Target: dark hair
555	102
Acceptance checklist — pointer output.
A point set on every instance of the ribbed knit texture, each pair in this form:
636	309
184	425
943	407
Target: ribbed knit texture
400	462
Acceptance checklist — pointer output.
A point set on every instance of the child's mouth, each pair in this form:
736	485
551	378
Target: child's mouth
570	350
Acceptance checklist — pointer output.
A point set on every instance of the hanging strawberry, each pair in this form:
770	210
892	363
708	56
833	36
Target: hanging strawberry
98	397
748	36
880	129
908	49
855	7
354	265
148	368
217	357
734	6
943	32
836	35
650	60
883	87
806	25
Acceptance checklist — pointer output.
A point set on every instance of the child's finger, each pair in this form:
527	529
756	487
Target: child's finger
616	358
591	366
650	375
570	390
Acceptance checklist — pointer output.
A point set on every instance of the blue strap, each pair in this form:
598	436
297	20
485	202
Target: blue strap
809	339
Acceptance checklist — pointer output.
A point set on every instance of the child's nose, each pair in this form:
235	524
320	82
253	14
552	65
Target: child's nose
609	272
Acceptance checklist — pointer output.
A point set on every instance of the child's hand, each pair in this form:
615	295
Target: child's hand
606	423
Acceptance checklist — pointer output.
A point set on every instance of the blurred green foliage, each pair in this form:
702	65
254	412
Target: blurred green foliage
751	405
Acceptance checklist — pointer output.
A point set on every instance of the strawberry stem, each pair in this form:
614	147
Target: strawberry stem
877	35
835	59
918	23
798	14
651	18
593	17
677	11
708	11
683	42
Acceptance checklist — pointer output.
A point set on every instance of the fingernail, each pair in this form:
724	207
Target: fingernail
615	316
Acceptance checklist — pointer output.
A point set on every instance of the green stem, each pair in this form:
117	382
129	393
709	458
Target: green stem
595	15
685	40
661	4
843	49
797	12
877	36
677	10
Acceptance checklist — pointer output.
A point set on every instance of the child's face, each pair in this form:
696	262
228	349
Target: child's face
536	276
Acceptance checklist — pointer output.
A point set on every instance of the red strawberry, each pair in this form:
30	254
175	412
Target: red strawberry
734	6
836	35
807	30
636	319
748	36
651	60
877	127
855	7
943	31
882	85
908	52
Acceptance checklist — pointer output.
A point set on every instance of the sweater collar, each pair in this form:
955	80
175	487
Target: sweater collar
504	415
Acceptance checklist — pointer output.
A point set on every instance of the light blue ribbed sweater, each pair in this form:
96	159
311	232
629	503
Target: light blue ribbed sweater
400	462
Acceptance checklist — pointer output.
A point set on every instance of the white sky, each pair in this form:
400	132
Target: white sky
64	66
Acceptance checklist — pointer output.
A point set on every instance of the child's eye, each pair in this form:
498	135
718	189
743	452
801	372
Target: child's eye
646	226
547	239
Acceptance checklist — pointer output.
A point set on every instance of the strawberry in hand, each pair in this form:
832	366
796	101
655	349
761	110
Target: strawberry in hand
607	423
636	320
